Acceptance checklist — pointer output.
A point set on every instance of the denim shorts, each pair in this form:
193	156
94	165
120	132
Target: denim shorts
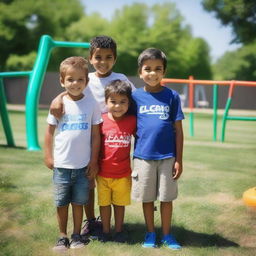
70	186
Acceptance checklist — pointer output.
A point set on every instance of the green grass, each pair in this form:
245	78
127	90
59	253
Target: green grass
209	215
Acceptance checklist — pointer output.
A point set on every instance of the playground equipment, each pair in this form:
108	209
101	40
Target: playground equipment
36	77
191	84
249	197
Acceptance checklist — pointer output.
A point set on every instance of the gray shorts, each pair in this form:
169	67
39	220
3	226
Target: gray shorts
152	180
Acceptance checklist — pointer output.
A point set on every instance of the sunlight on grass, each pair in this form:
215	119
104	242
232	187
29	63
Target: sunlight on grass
209	216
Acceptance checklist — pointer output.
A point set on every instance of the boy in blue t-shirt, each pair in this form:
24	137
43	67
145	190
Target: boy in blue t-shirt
158	146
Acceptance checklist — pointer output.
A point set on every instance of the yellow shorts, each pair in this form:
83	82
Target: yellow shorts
115	191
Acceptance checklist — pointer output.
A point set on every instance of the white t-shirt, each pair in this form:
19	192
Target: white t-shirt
97	85
72	141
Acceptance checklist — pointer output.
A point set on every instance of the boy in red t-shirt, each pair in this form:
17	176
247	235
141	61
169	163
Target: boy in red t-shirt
114	177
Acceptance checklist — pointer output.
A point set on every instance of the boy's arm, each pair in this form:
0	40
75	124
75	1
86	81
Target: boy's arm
56	107
178	168
48	144
93	166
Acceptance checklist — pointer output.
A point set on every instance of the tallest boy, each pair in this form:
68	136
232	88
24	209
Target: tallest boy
102	56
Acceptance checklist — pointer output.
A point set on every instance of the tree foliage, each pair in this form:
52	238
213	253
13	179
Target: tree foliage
237	65
240	14
134	27
139	26
22	22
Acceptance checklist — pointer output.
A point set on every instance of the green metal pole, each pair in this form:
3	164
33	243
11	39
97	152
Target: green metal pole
241	118
215	111
71	44
35	83
191	124
4	116
33	91
224	119
15	73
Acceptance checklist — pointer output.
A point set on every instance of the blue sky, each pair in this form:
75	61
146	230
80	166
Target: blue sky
203	24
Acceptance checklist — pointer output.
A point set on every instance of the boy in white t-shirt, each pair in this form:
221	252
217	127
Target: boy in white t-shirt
102	56
74	156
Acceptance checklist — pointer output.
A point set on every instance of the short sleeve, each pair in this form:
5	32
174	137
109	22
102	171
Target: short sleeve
96	117
51	119
176	111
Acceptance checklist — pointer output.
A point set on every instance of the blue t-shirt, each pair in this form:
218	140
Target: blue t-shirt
156	114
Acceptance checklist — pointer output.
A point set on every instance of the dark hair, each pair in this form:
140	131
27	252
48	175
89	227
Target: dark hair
119	87
152	54
104	42
74	62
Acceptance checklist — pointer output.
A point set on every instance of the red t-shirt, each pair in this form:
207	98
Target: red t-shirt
115	146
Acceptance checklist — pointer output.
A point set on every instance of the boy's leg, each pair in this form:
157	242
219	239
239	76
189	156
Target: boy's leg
105	213
167	193
166	216
61	181
168	239
92	225
79	197
77	217
119	217
121	196
148	210
89	207
62	217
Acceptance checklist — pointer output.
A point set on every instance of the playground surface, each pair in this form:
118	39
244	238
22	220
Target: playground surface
210	217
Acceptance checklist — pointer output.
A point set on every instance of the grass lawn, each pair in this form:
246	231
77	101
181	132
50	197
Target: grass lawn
209	215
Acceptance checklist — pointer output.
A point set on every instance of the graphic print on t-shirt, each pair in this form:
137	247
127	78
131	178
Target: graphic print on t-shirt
116	139
161	110
74	122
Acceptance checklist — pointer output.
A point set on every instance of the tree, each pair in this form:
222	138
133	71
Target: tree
134	27
237	65
239	14
22	22
139	26
130	30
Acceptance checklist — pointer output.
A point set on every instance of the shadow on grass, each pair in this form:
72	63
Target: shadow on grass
12	147
185	237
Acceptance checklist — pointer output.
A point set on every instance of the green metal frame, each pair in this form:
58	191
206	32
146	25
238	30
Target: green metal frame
4	116
36	77
227	117
3	109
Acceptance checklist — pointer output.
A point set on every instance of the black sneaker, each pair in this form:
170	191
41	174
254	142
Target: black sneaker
77	241
62	244
92	228
120	237
104	237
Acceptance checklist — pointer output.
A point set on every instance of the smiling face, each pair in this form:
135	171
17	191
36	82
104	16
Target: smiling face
103	60
117	105
74	81
152	72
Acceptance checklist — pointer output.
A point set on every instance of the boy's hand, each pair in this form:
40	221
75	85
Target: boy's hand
49	162
177	170
92	170
56	107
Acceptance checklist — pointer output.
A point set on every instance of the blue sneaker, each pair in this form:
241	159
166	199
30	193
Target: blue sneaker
170	242
150	240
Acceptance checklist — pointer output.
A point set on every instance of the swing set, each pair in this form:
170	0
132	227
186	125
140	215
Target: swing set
37	74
